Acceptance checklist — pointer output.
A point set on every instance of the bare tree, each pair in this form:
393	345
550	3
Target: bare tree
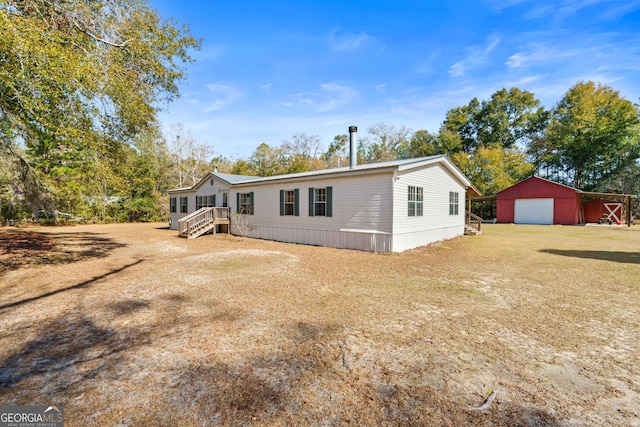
303	145
242	224
190	158
386	142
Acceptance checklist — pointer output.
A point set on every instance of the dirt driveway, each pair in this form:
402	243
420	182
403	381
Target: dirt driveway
131	325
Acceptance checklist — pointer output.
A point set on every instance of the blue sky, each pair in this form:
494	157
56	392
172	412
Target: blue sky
271	69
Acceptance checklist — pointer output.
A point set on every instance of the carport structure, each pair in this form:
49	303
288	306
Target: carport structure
538	200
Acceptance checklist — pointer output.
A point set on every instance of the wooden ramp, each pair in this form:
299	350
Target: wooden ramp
202	221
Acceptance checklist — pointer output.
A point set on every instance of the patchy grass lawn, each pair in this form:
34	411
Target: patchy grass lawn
130	325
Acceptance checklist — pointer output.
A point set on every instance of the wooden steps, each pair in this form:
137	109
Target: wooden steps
202	221
468	231
472	224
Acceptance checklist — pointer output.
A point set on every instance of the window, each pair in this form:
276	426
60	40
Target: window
173	208
184	205
205	201
289	202
245	203
453	203
415	201
320	203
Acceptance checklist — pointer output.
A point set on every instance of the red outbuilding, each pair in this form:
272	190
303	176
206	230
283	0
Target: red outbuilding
537	200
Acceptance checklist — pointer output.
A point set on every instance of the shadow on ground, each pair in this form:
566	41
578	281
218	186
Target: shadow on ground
24	248
615	256
84	284
64	353
309	384
306	382
73	352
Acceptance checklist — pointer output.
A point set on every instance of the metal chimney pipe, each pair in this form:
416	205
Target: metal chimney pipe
353	147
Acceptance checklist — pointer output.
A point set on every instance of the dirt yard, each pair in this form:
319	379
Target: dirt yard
130	325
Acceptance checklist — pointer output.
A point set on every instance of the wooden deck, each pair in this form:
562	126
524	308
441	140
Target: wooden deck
202	221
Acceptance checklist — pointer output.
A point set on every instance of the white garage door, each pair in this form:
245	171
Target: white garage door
533	211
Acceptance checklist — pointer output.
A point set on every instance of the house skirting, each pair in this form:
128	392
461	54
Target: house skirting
364	240
414	239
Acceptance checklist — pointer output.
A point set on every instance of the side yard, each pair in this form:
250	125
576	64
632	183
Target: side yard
129	325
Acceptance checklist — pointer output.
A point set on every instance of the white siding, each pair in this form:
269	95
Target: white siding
369	208
361	213
436	223
205	189
175	217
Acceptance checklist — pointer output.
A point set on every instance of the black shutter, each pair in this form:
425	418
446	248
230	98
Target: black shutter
311	207
281	202
251	202
238	202
296	199
329	207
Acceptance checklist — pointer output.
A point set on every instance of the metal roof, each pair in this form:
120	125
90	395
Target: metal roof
373	167
577	190
364	168
233	179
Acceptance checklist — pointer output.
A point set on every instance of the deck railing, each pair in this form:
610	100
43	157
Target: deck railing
473	221
202	220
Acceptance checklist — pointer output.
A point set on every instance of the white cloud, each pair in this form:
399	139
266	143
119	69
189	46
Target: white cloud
516	60
500	5
457	69
607	9
621	9
348	43
476	56
332	95
524	81
541	53
225	95
339	95
494	43
428	65
612	8
210	52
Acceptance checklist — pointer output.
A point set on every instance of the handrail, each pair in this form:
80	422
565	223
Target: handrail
221	214
473	221
193	214
195	221
185	223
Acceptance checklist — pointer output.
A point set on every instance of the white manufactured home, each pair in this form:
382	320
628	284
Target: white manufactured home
382	207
